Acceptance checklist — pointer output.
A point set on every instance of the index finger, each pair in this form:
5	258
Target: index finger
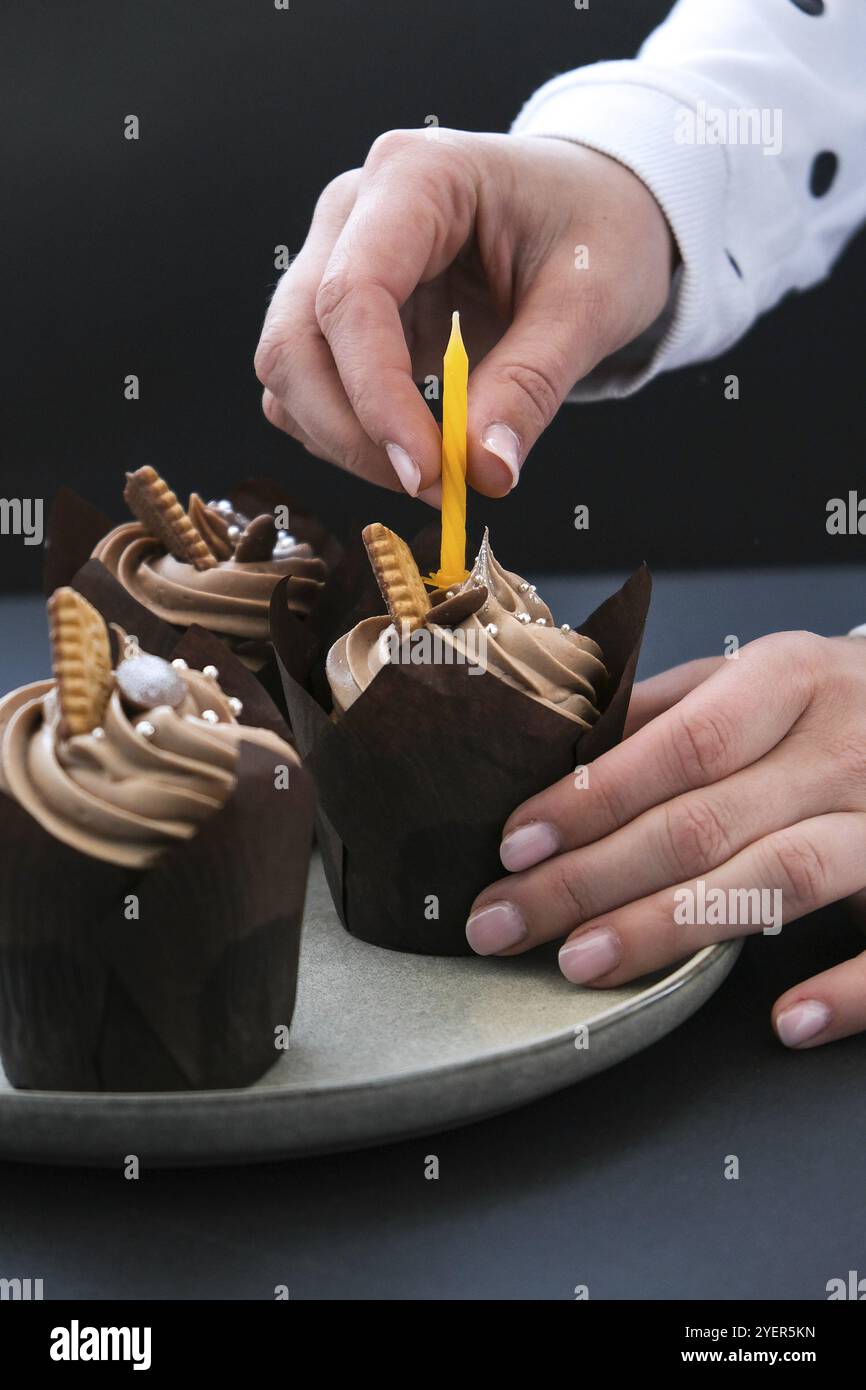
724	724
413	213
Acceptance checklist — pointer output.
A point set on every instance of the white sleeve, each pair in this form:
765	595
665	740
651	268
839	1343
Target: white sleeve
747	121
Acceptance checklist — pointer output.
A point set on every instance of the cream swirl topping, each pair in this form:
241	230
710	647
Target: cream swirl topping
512	635
231	599
124	793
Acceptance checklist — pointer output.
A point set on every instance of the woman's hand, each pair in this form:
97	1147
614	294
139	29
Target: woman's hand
490	224
745	774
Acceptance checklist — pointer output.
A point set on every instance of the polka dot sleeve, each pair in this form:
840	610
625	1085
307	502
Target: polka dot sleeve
747	120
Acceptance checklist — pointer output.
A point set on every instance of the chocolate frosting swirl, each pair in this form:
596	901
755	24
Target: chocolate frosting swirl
119	795
512	635
231	599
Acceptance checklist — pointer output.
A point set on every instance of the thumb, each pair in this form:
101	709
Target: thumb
518	387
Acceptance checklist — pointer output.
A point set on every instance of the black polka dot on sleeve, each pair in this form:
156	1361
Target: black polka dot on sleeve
813	7
824	167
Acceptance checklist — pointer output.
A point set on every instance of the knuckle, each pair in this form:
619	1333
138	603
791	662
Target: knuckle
354	457
390	145
335	288
271	408
702	745
537	388
339	191
848	752
696	836
802	871
614	809
267	358
571	893
803	655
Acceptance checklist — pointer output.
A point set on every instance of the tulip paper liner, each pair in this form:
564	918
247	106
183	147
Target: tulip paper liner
416	780
188	994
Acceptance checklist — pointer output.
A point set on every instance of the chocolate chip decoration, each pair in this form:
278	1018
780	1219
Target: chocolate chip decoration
258	540
450	612
147	681
211	525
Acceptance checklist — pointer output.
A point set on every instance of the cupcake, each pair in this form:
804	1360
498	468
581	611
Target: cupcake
210	564
151	898
448	711
495	620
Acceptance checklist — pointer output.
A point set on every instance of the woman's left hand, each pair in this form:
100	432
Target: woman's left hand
745	775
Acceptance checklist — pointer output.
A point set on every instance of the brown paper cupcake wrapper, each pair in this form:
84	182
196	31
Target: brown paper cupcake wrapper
189	994
416	780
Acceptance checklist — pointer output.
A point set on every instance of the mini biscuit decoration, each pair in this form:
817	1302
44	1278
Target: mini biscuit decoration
81	662
397	575
160	513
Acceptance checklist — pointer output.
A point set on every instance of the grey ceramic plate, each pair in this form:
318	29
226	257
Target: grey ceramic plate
383	1046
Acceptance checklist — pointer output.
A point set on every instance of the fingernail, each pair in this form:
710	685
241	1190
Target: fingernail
432	495
590	956
802	1021
528	845
495	928
405	467
500	439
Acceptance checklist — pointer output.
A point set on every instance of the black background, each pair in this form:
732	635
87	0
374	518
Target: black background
156	258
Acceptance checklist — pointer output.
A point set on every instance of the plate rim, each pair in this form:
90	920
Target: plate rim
255	1096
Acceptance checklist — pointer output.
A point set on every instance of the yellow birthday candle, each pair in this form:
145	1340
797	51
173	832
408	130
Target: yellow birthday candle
455	384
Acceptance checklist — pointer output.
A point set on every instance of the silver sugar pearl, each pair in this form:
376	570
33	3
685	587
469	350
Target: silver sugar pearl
234	533
211	672
210	716
449	593
541	622
179	664
523	586
523	618
98	732
147	681
235	705
566	627
145	728
492	629
224	506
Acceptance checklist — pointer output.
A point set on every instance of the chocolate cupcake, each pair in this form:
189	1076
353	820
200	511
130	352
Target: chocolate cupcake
209	564
150	903
497	622
448	711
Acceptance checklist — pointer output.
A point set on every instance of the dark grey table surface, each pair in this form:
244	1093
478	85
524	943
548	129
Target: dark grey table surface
617	1183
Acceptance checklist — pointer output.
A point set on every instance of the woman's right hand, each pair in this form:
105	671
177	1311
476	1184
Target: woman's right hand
489	224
